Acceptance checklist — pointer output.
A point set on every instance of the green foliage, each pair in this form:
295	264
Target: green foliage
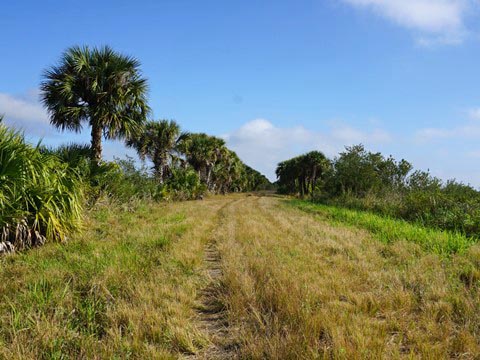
122	181
41	197
160	141
302	173
358	172
389	230
96	86
360	179
256	181
184	184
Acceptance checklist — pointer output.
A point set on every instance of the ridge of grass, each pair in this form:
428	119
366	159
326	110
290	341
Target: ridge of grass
389	230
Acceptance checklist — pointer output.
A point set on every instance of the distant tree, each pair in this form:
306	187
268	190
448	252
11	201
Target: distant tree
359	171
99	87
160	142
302	173
202	152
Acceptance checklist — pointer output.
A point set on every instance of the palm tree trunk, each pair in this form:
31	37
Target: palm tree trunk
96	143
158	167
161	173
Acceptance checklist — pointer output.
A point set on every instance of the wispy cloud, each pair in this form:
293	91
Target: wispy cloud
25	112
474	113
474	154
434	21
469	129
262	145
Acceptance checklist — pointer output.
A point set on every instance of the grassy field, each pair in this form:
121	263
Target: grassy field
125	288
281	282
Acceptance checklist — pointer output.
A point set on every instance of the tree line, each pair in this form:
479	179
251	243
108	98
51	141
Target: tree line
367	180
106	90
43	191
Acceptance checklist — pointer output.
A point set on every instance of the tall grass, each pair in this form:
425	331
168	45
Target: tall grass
40	196
389	230
299	288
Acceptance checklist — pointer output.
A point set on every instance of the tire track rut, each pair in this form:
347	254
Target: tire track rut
211	312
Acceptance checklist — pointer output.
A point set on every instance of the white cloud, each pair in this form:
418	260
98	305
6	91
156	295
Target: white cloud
25	113
474	113
469	130
474	154
262	145
435	21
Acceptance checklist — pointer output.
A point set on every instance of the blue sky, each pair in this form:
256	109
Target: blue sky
274	78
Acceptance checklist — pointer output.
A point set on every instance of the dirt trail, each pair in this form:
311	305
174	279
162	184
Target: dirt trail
212	317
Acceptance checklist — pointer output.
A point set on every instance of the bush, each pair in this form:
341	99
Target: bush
185	184
41	197
120	180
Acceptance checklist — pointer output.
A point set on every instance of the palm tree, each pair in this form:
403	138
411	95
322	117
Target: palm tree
159	141
227	172
301	173
202	152
96	86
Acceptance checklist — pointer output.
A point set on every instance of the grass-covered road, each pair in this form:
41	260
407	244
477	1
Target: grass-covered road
245	276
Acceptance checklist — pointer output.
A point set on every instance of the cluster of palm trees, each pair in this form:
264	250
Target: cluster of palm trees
43	191
301	174
169	149
106	91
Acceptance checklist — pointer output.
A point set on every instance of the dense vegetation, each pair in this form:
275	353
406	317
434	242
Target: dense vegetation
40	197
43	191
361	179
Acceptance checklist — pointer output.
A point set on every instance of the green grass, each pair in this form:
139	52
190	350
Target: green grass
66	301
293	286
389	230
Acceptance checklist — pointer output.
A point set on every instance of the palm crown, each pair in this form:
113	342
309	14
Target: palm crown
96	86
159	141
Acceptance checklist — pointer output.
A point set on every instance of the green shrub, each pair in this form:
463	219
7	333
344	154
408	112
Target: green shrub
41	197
359	179
121	180
185	184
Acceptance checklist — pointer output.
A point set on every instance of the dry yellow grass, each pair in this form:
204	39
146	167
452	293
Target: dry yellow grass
290	286
297	287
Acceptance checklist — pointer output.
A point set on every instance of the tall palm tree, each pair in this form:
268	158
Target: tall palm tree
96	86
159	141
